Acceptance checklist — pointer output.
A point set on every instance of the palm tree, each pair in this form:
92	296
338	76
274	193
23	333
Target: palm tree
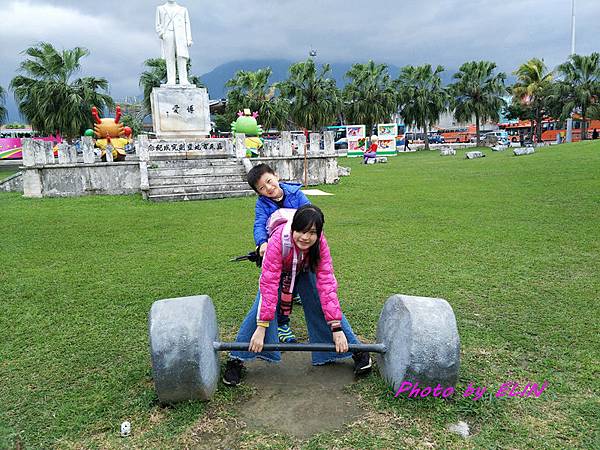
157	75
422	97
48	97
369	97
579	88
251	90
134	122
532	89
478	92
3	111
313	96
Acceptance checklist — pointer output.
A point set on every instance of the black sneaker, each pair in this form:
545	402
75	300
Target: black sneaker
362	363
233	372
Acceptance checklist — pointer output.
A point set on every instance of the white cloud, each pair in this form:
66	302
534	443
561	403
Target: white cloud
115	48
120	34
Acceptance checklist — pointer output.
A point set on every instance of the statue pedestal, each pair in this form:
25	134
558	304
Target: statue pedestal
180	111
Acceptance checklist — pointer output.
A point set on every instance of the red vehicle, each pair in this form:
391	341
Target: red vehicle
516	130
519	131
457	134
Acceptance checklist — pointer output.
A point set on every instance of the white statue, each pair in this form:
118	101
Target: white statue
173	28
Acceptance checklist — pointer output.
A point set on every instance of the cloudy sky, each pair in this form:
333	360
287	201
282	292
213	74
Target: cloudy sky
120	33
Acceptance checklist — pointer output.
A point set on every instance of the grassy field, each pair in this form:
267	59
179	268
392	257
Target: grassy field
6	172
511	242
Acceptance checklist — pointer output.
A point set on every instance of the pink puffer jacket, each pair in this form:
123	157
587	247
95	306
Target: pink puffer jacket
273	266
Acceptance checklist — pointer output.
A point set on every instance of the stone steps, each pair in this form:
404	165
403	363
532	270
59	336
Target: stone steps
197	171
193	163
197	188
199	195
196	179
202	179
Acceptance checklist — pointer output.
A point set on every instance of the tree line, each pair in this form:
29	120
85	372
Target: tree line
50	97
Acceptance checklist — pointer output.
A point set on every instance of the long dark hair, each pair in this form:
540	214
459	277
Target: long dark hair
305	217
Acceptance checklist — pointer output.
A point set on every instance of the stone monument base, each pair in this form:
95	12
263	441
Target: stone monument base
180	111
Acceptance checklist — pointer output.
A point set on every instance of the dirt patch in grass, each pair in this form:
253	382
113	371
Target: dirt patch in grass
293	400
300	399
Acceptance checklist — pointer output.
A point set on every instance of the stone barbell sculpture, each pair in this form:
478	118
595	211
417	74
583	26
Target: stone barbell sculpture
417	341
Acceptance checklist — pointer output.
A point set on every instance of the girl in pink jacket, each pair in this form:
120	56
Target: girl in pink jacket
296	252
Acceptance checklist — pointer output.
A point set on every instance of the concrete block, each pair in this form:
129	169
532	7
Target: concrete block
64	153
300	140
50	159
185	365
523	151
475	154
142	148
286	144
108	153
315	143
422	341
240	146
32	183
180	112
87	146
329	142
28	152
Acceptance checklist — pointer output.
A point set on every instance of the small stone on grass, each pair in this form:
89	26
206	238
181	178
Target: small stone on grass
461	428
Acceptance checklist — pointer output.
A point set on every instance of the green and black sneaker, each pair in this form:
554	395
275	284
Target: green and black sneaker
286	335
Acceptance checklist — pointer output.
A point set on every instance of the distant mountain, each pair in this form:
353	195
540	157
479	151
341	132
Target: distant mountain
215	79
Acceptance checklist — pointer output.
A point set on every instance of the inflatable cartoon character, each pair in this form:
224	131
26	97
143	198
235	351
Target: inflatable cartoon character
109	132
246	123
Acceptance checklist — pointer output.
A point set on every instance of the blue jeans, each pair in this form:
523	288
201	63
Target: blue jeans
318	330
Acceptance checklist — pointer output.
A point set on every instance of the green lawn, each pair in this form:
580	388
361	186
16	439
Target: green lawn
511	242
7	171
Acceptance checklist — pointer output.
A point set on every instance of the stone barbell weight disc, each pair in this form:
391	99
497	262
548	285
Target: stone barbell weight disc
422	342
185	365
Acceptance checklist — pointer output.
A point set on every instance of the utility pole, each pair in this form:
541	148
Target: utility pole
569	137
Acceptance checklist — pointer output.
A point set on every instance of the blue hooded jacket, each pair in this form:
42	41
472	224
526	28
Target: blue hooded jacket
293	198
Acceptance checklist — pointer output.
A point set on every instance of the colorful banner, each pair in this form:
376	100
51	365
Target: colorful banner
357	147
387	139
357	144
387	130
386	147
11	148
355	131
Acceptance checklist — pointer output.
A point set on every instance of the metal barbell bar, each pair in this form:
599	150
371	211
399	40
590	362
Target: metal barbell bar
352	348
